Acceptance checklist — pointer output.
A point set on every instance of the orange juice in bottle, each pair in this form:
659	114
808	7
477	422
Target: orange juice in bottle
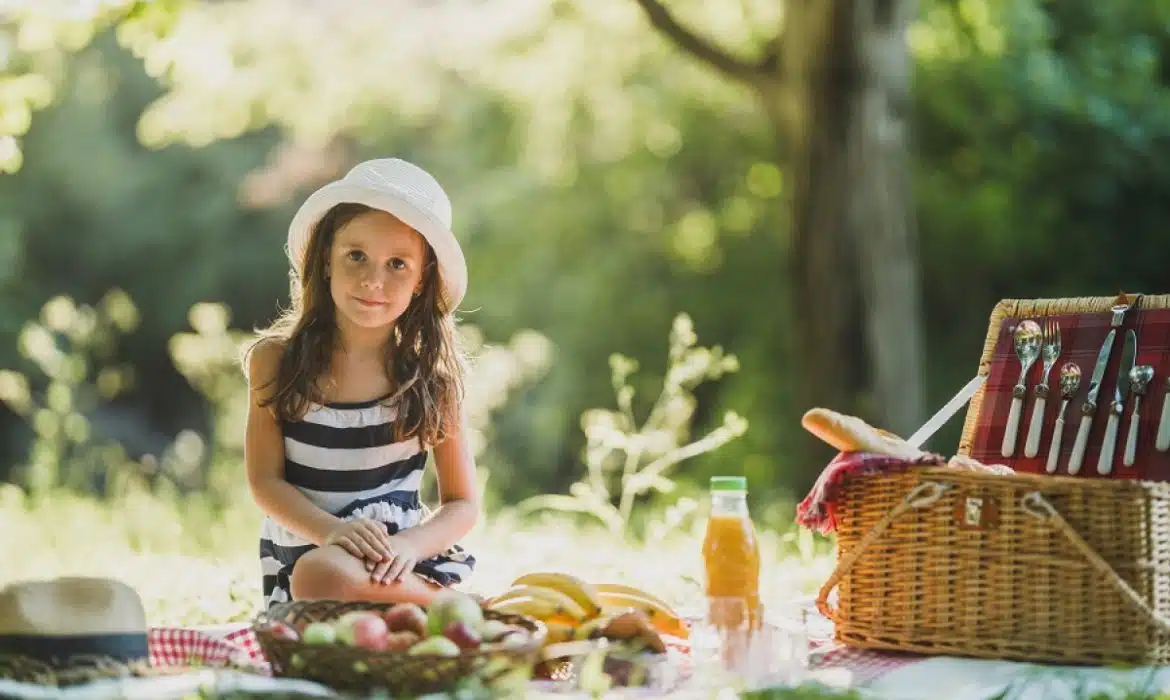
731	555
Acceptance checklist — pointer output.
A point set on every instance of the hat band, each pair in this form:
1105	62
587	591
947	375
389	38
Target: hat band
128	646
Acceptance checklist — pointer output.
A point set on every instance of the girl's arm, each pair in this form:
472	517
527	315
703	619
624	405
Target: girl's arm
264	459
459	498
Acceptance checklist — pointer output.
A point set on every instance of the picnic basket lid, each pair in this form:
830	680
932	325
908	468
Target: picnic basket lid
1085	321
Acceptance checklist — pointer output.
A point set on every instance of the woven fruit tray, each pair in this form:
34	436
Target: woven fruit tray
1039	564
402	649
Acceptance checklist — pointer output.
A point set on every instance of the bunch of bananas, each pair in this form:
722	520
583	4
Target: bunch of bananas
573	609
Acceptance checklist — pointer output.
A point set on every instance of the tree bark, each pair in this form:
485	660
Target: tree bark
853	262
836	87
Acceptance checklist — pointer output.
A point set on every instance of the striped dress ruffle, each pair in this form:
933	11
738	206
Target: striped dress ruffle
343	457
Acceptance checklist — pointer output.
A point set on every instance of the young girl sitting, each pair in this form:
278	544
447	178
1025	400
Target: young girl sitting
352	387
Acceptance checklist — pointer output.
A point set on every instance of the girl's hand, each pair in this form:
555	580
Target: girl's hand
403	558
363	538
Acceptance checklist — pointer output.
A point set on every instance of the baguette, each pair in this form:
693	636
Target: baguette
852	434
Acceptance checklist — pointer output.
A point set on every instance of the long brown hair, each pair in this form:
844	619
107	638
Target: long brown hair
423	360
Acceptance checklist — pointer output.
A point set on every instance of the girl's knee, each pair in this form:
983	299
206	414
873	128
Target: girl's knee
318	576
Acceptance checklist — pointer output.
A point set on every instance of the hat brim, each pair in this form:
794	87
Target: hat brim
452	265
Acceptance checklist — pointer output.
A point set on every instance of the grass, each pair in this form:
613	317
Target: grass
196	564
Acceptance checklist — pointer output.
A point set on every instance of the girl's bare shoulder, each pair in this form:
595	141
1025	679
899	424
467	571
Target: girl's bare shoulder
263	361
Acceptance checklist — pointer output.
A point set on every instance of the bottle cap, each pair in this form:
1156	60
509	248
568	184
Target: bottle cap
729	483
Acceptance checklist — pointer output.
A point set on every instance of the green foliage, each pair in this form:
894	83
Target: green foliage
625	461
603	182
73	347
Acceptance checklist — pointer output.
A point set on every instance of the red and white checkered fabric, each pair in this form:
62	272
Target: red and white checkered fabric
182	646
177	646
864	665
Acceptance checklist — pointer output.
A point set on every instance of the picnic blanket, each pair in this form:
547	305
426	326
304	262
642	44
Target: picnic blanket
235	661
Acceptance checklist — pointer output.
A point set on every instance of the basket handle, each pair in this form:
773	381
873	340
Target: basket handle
924	494
1036	505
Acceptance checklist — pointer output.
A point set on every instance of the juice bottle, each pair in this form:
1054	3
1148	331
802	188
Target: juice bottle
731	555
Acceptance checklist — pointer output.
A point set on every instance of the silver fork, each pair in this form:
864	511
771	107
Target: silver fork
1049	352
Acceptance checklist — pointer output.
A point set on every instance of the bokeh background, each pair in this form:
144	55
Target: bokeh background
686	223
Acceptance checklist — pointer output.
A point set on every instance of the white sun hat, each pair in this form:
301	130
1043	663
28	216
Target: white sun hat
400	188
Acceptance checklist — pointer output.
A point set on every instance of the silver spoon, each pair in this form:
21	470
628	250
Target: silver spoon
1139	378
1027	339
1070	383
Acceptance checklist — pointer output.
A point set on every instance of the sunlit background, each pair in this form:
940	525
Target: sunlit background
686	222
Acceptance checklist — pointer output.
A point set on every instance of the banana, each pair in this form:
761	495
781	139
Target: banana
592	628
558	631
564	604
661	617
584	593
533	606
630	590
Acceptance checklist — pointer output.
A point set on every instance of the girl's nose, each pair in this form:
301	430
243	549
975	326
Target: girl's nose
372	282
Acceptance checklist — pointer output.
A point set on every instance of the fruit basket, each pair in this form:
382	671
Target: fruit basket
401	648
1051	564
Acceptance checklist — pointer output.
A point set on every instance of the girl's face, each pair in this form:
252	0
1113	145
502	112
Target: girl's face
375	267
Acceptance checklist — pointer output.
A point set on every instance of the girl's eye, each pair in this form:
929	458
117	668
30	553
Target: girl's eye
398	263
356	255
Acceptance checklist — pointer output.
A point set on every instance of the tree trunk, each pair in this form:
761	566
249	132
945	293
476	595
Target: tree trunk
836	86
853	256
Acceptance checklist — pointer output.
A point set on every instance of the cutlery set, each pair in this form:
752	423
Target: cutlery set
1034	342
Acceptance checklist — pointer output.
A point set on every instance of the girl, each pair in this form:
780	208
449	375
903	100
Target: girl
352	387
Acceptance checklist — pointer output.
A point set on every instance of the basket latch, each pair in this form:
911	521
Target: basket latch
976	511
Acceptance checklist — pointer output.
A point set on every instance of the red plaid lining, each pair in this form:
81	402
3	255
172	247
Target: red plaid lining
1081	338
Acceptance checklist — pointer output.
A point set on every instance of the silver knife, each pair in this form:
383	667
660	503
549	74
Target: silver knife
1090	407
1120	393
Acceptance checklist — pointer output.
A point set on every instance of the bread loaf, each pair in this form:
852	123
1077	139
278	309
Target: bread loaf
852	434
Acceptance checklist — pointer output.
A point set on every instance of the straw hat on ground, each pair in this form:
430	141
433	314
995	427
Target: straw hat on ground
75	623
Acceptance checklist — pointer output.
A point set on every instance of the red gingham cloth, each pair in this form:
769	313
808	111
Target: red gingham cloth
818	510
177	646
863	664
1081	339
181	646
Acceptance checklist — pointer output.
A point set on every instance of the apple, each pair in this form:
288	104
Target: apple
406	617
363	629
401	641
450	606
464	636
493	630
283	630
319	633
514	639
434	646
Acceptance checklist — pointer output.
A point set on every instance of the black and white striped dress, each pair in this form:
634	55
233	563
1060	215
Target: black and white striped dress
344	458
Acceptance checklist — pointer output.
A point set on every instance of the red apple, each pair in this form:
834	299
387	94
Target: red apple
364	629
406	617
464	636
282	630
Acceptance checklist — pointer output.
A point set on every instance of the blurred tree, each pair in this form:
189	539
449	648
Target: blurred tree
835	85
38	37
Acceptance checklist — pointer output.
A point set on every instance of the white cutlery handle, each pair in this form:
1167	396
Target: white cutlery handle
1163	440
1078	453
1054	448
1131	441
1032	444
1108	445
1013	423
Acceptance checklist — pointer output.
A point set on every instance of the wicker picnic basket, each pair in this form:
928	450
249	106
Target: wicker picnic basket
403	675
1028	566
